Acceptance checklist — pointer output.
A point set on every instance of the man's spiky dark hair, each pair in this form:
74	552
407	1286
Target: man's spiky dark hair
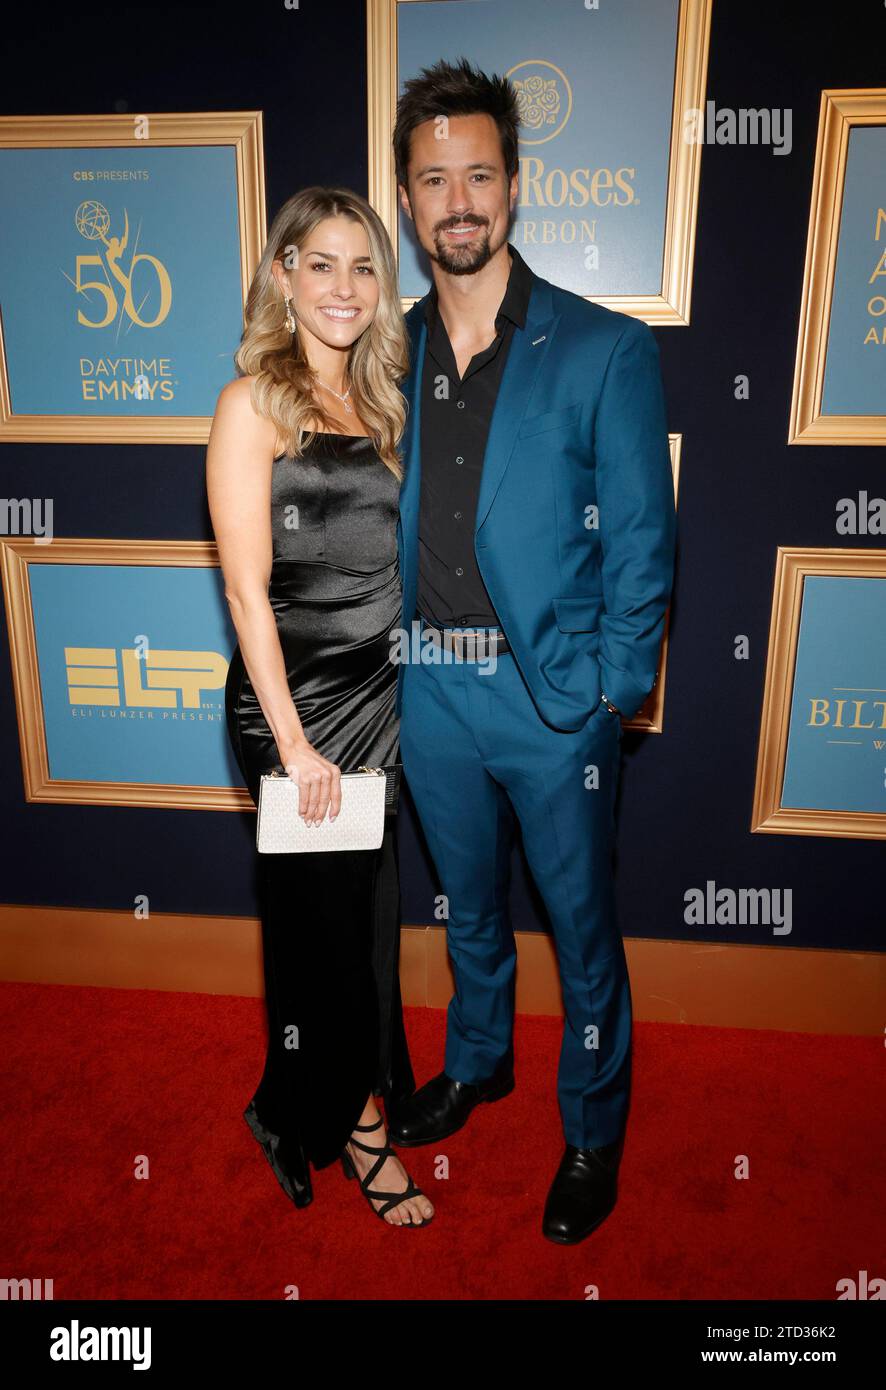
458	89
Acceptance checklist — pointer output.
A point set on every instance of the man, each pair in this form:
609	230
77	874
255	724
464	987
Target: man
536	541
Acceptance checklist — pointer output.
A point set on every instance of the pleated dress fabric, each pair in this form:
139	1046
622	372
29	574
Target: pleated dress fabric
330	920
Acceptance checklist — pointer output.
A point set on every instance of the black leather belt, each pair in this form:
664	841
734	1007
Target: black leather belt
468	644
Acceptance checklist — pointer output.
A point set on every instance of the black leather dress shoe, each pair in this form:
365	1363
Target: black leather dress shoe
442	1105
583	1192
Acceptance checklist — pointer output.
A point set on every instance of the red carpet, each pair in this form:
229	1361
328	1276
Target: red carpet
96	1077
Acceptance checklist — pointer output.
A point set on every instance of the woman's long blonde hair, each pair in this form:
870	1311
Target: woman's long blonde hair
282	386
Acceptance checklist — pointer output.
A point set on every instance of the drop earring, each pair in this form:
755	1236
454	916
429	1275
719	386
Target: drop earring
290	321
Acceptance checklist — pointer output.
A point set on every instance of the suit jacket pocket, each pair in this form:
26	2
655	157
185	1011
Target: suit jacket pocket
550	420
578	612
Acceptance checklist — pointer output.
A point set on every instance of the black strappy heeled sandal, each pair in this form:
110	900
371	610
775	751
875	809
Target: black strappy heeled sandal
394	1198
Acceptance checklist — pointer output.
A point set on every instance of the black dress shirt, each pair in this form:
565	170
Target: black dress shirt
455	418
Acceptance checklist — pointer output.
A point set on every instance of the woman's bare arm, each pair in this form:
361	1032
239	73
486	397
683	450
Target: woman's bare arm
239	464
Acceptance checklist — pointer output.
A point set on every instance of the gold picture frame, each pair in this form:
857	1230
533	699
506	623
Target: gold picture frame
16	557
793	566
649	719
242	130
840	110
671	306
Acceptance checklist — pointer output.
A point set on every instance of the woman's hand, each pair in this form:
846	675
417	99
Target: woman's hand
318	781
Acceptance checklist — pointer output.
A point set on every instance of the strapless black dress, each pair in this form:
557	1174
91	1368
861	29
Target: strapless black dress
330	920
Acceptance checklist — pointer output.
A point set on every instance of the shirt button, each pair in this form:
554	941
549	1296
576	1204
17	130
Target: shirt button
459	459
459	570
460	404
457	515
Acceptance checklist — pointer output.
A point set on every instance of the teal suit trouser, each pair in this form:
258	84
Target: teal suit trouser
476	753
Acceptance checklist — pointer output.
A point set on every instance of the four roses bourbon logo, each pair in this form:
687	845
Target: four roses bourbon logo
544	100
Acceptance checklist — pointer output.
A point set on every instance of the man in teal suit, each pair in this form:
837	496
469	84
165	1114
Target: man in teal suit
536	540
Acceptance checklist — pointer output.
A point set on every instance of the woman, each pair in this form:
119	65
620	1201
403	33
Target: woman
303	481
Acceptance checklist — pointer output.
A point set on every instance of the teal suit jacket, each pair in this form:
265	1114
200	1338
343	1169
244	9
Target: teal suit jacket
575	529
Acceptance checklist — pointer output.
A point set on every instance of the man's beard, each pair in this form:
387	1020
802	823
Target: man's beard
463	260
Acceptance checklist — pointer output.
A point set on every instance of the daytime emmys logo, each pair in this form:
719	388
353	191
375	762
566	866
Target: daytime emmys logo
113	297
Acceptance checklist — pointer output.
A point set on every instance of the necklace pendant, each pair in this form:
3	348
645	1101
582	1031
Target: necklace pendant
347	406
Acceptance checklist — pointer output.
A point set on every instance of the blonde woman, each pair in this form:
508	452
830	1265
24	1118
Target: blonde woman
303	480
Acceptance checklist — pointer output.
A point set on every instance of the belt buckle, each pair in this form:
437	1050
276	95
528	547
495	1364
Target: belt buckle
460	641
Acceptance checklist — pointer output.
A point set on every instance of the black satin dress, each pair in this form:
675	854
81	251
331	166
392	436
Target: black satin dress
330	920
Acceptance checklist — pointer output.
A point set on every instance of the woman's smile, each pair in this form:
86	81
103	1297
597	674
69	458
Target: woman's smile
345	315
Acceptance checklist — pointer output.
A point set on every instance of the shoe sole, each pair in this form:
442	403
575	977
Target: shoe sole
498	1094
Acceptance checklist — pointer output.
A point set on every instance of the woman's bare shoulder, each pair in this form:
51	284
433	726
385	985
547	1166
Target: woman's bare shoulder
236	396
234	408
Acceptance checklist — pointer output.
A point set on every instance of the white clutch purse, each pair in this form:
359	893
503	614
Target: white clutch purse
359	824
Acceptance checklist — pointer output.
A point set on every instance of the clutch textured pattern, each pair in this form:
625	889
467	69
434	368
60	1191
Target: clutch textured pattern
359	824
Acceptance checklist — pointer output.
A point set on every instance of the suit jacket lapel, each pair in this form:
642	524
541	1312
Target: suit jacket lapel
409	491
528	349
529	346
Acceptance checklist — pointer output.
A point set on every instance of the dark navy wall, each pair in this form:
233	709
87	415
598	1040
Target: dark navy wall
685	802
